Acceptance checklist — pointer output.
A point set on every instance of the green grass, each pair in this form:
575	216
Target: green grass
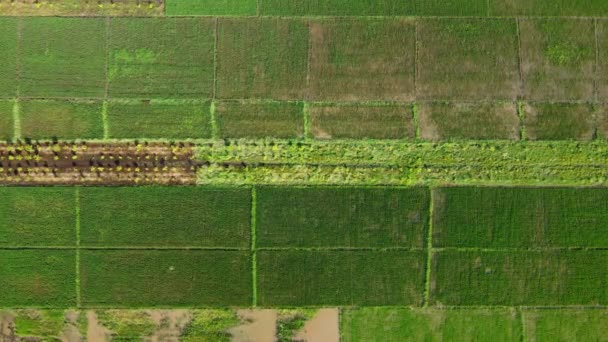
481	121
63	57
362	59
6	119
593	8
159	119
258	120
211	7
46	119
300	278
341	217
8	58
566	325
127	324
397	324
290	322
262	58
558	57
123	278
451	8
45	324
559	121
37	217
336	7
161	57
519	278
467	59
210	326
41	278
520	217
165	216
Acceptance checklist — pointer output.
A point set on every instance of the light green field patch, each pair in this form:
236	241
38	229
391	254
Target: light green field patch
451	8
259	120
337	7
211	7
159	119
559	121
395	324
210	325
6	119
37	217
45	119
127	324
444	121
587	8
45	324
467	59
262	58
41	278
8	57
361	121
563	277
26	8
63	57
362	59
558	57
161	57
340	277
566	325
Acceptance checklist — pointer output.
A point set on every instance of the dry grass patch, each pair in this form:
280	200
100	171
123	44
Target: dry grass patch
258	120
559	121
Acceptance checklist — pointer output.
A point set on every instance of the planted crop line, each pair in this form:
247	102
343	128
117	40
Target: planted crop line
429	255
216	42
254	261
77	204
164	248
307	121
340	248
524	336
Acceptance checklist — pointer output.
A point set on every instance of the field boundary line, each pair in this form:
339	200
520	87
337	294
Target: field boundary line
164	248
522	322
254	271
416	119
16	107
16	120
521	114
215	134
340	249
429	257
104	106
519	60
307	121
309	60
104	120
488	8
416	68
77	204
216	37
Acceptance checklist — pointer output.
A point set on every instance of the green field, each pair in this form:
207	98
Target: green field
601	31
546	278
340	277
46	119
130	278
548	7
211	7
259	120
520	217
336	7
8	59
37	217
6	119
175	216
342	217
566	325
37	278
560	121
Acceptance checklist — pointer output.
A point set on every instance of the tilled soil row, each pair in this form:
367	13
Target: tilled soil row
128	163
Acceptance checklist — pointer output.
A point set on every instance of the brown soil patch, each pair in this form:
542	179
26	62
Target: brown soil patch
95	331
260	326
323	326
7	327
71	332
170	324
81	7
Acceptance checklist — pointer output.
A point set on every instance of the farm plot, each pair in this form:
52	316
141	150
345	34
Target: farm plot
558	59
161	57
445	120
211	7
259	120
6	120
602	60
362	59
340	277
46	119
8	58
393	324
498	217
559	121
174	216
592	8
154	119
37	217
262	58
41	278
336	7
360	121
519	278
451	8
342	217
124	278
84	8
566	324
467	59
63	57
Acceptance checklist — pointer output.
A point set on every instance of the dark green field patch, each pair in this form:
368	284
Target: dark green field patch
295	278
469	121
362	59
37	217
393	324
211	7
122	278
451	8
591	8
161	57
262	58
467	59
520	217
519	278
8	57
566	324
559	121
259	120
63	57
159	119
558	57
45	119
337	7
341	217
6	119
41	278
362	121
165	216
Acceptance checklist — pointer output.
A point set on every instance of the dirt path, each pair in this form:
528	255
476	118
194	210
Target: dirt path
95	331
323	327
260	326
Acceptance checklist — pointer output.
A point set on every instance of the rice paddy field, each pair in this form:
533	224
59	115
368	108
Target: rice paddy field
276	170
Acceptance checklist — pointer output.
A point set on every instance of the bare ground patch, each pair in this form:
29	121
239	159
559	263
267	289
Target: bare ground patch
323	326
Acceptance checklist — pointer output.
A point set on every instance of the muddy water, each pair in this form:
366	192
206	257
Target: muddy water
322	327
260	326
